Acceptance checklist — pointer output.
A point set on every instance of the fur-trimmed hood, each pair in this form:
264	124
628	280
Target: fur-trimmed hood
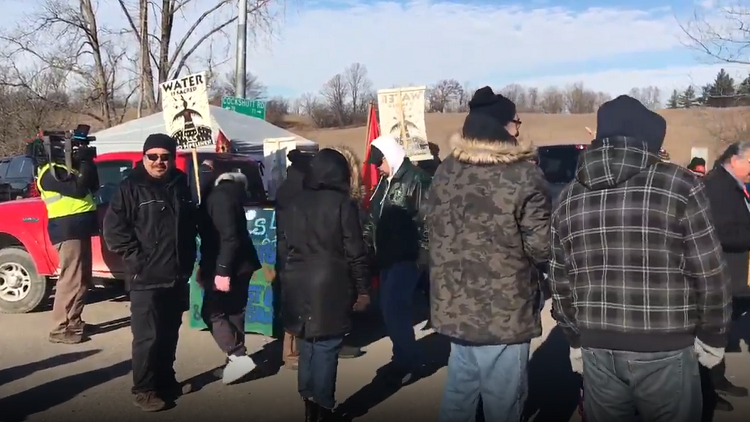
356	190
232	177
474	151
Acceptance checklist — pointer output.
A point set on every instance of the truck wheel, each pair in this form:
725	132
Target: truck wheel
22	289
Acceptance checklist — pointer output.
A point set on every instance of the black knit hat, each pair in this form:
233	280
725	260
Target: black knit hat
376	156
489	113
160	140
626	116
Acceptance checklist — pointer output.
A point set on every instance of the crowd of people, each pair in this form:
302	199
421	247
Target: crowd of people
640	257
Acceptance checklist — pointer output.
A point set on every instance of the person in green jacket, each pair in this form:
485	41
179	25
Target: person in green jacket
395	232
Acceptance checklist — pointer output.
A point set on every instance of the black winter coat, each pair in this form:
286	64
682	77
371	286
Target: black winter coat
731	220
226	247
152	225
321	240
287	192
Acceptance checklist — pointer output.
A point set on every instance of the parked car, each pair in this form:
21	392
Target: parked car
29	262
17	177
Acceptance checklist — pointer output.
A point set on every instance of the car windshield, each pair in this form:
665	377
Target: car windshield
558	163
211	165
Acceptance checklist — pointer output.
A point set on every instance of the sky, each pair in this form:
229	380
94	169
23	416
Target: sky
609	45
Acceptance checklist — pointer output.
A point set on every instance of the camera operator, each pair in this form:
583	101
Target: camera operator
68	195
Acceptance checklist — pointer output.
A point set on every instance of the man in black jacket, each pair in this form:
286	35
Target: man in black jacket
636	273
725	187
152	224
228	261
395	231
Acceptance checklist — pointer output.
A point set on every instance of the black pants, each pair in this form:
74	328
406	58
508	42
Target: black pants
155	319
224	314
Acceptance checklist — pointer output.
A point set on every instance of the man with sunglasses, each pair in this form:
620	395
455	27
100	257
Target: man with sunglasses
152	224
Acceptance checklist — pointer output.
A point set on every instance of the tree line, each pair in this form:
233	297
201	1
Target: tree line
723	92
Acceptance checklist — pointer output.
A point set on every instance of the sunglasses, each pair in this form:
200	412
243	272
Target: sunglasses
517	122
161	157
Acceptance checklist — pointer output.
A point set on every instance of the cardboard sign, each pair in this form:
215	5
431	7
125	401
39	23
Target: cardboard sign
401	112
187	118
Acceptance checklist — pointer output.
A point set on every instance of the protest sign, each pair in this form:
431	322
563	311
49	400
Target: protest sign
401	112
186	110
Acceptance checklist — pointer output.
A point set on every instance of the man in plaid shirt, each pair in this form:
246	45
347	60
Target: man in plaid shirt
637	276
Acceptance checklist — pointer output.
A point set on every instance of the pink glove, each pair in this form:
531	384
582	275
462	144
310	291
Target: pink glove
221	283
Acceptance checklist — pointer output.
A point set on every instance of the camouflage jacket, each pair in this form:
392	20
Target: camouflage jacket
487	213
394	229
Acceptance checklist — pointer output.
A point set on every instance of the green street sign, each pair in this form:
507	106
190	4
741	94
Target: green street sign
252	108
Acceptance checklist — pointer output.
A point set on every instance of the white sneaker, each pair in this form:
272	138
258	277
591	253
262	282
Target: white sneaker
238	367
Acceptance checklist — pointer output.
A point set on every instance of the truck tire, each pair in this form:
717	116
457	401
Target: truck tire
22	289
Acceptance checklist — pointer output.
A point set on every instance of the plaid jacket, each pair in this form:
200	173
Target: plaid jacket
636	265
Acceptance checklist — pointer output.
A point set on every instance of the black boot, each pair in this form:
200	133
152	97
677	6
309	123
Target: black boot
326	415
724	386
312	411
722	405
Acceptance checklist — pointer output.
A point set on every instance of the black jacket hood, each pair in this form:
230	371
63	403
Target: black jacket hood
612	161
329	170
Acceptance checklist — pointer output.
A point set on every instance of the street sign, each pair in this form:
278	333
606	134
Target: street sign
252	108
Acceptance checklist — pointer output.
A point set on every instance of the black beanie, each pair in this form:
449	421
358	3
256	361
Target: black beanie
376	156
489	113
160	140
626	116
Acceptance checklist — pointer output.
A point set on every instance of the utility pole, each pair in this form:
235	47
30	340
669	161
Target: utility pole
239	83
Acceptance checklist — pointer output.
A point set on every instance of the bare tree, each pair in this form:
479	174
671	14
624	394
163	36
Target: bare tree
463	99
553	101
64	35
224	86
723	34
308	102
442	94
277	108
336	93
359	86
169	52
532	100
579	100
649	96
517	94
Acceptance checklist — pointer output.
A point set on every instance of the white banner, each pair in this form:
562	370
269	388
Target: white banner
184	103
401	115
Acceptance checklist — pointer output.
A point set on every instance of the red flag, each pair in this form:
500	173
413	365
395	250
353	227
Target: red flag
369	171
222	142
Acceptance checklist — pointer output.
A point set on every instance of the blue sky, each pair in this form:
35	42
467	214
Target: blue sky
611	46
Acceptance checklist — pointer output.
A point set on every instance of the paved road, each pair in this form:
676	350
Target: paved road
41	382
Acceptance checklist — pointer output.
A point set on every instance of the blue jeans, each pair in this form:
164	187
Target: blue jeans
661	386
317	368
397	287
497	373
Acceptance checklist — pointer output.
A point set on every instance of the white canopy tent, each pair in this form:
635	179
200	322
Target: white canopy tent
246	133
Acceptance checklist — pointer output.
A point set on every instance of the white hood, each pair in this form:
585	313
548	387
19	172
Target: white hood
392	151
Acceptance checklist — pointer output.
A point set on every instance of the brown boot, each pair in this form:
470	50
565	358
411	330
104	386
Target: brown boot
149	401
291	355
65	337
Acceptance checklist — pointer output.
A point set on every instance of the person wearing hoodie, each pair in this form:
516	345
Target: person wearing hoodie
697	166
487	214
286	193
228	260
636	272
395	233
325	269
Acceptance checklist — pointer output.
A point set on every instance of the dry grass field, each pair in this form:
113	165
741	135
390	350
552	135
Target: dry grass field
705	128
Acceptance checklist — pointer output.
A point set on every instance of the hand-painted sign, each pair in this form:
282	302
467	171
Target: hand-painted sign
261	223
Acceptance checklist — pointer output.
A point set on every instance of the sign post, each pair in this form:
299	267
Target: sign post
252	108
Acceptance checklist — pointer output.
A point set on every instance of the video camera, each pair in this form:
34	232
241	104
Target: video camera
68	148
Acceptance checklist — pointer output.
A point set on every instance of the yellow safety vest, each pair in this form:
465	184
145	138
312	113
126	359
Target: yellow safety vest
59	205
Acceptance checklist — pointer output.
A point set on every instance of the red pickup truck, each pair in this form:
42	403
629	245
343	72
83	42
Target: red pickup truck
29	262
